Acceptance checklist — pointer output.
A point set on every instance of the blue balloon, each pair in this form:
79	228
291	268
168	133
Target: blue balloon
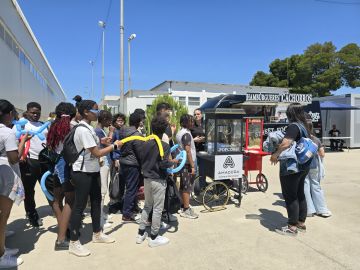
39	132
43	186
181	156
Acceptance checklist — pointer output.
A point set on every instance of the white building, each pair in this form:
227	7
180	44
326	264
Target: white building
347	121
191	94
25	73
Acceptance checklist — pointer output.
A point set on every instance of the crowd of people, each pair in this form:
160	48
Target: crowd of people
140	166
96	136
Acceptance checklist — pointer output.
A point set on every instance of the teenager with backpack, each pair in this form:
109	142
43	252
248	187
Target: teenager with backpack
62	186
86	175
292	185
155	177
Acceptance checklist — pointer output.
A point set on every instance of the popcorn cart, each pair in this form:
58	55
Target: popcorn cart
233	149
254	153
221	165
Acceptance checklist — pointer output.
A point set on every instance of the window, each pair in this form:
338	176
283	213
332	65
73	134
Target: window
182	100
194	101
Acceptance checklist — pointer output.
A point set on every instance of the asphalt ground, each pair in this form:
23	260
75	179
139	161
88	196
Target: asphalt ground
234	238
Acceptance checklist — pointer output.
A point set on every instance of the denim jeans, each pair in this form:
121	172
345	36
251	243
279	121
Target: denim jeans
315	199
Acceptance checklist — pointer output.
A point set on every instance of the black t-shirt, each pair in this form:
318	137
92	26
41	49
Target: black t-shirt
168	131
198	131
334	133
293	132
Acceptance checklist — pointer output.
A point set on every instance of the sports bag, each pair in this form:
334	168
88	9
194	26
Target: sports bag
305	149
69	152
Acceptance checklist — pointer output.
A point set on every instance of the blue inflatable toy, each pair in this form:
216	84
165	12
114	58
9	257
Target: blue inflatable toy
181	156
39	133
43	186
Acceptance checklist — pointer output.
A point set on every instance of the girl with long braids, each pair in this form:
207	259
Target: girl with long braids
11	188
62	185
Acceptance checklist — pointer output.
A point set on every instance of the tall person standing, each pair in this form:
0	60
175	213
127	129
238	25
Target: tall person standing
86	177
31	168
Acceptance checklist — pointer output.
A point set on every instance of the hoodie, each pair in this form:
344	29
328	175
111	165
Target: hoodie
131	151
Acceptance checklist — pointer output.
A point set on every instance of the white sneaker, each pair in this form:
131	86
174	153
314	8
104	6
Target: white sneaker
188	213
9	233
102	238
8	261
141	238
108	217
11	251
106	225
158	241
76	248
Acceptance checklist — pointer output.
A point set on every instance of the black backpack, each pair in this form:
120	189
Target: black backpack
69	152
172	197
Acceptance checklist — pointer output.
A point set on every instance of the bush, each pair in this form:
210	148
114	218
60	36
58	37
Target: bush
178	110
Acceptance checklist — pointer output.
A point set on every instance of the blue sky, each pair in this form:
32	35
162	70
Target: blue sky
217	41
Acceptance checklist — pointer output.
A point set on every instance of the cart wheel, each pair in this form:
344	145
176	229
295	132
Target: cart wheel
197	193
262	182
216	196
245	184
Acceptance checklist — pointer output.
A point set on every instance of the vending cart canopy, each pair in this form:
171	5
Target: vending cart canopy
331	105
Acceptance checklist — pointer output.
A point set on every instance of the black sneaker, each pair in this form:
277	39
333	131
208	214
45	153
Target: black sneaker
34	219
61	245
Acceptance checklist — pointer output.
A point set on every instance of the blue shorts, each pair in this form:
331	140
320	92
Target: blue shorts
62	170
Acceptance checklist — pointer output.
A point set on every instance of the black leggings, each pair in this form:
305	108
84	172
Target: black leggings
85	184
292	187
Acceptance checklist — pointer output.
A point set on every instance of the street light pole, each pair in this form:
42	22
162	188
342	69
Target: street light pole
132	36
122	56
91	62
102	25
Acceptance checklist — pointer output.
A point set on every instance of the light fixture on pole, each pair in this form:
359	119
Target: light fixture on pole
102	25
132	36
91	62
122	56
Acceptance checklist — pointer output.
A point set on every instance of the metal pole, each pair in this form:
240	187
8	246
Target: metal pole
129	65
103	67
92	79
122	56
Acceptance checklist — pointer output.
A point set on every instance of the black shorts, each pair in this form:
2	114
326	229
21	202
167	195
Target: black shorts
68	186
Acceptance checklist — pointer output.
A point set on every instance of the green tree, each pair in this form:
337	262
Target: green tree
318	71
349	60
178	109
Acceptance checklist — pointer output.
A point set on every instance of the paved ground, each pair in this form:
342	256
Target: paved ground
236	238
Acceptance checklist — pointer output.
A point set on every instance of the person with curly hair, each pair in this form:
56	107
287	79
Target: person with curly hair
62	186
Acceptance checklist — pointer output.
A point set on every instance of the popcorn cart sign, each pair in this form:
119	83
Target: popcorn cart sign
228	167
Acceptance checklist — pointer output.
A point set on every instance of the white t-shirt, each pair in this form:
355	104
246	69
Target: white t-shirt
8	141
85	138
36	145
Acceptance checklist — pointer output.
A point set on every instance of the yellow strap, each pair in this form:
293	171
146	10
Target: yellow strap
144	139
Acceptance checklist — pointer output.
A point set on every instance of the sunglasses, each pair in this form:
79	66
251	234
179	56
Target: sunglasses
95	111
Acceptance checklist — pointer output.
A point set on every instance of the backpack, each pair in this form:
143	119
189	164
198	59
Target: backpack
305	149
69	152
172	197
48	157
114	187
